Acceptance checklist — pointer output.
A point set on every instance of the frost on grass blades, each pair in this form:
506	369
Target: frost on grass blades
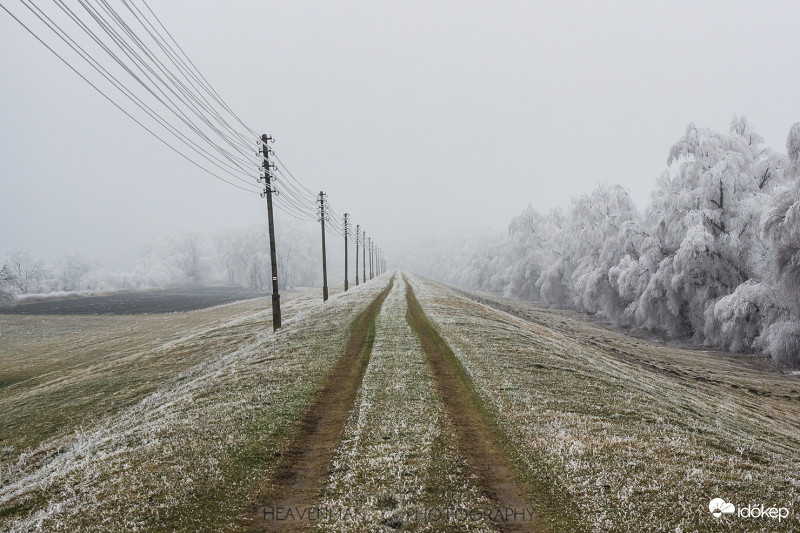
632	435
189	455
398	465
607	432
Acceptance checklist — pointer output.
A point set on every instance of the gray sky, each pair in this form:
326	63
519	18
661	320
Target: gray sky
417	117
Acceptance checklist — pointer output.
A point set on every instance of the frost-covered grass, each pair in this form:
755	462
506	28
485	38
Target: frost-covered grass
637	436
171	422
398	464
154	423
53	295
59	373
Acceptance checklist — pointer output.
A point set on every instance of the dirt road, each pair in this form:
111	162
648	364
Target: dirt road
292	500
298	478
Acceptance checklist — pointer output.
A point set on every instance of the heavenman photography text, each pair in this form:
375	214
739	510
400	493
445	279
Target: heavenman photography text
375	266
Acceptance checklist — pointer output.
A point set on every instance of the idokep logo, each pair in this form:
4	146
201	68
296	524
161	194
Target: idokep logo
759	511
718	507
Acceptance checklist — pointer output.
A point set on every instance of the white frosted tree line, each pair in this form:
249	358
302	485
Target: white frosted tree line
23	275
232	257
715	256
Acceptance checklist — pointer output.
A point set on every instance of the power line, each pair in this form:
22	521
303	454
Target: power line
182	67
289	202
176	82
104	95
210	89
148	72
295	192
296	215
308	191
119	85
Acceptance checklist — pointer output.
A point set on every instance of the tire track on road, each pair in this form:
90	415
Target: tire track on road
477	441
300	473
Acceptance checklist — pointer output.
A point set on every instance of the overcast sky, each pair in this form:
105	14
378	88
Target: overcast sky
418	117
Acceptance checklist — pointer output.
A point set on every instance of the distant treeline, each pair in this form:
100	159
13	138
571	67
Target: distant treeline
715	256
232	257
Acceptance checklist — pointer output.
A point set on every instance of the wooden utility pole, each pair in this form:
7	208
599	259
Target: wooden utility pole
358	231
345	216
324	260
371	272
364	254
273	256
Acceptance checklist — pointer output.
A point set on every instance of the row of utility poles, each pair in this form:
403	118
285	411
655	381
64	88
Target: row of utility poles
377	260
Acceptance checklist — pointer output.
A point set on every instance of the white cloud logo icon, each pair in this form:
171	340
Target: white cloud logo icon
718	507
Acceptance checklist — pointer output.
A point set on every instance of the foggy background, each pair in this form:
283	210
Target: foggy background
418	118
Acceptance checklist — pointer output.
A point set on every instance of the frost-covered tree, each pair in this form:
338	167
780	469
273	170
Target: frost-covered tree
186	251
70	270
599	223
737	321
243	257
6	287
236	256
27	274
299	255
521	259
554	282
705	216
781	226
